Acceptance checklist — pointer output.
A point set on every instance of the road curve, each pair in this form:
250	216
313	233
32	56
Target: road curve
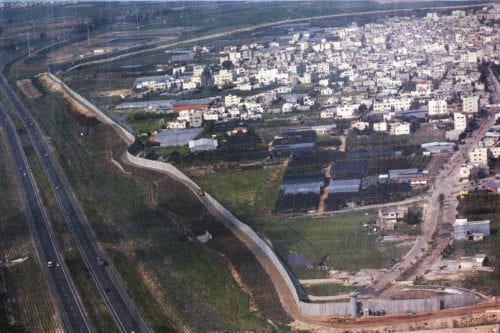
67	302
124	311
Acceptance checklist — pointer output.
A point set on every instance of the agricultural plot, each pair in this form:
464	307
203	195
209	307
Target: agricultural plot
302	183
338	242
26	306
300	202
322	243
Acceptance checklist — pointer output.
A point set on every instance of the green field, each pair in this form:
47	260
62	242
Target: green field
330	289
376	141
193	286
339	241
24	305
245	193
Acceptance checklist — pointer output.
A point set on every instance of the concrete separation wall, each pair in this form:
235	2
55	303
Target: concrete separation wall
264	253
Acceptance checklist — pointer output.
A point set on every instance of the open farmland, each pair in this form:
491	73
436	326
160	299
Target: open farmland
338	242
26	306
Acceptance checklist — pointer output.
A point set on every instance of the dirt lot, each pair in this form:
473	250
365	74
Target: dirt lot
28	88
77	107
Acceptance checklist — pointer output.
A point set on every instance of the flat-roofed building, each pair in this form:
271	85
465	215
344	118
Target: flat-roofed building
470	104
470	230
437	108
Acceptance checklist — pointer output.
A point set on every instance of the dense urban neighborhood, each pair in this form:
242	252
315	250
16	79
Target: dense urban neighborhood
249	166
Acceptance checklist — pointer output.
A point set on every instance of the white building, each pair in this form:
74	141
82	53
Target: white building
399	128
288	107
380	126
423	88
328	113
177	124
459	121
478	156
230	100
396	104
224	77
437	107
347	111
470	104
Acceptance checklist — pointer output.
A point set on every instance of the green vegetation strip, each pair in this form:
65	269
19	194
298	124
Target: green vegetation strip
25	306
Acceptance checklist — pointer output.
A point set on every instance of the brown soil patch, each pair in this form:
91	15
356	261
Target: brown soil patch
74	106
116	92
28	88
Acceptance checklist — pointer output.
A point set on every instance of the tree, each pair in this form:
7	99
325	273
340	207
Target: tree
441	200
414	215
227	64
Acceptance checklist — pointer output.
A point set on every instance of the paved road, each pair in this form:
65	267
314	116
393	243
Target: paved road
107	279
447	182
68	305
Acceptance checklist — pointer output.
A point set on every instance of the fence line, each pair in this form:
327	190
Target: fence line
263	251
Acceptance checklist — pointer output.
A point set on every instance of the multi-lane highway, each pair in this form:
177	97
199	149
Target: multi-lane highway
126	315
69	307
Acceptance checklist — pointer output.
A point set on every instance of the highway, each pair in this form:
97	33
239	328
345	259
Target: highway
126	315
67	303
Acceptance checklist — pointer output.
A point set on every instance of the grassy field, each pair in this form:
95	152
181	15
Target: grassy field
25	306
376	141
246	193
192	285
338	241
330	289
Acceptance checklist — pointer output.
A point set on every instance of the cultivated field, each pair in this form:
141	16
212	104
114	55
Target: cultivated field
335	242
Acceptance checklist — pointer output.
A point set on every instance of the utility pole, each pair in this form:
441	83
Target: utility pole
88	34
29	48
